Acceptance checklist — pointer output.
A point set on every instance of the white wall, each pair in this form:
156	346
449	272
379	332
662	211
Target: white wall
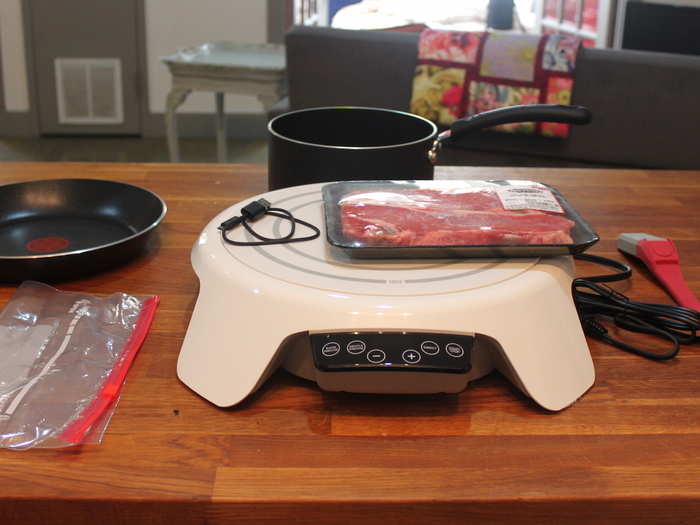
14	68
176	24
170	25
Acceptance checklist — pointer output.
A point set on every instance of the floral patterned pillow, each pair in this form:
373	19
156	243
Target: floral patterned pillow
460	74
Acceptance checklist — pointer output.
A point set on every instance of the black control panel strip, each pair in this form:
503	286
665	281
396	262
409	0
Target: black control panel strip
392	350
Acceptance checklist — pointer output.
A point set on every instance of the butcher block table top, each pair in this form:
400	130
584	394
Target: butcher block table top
628	451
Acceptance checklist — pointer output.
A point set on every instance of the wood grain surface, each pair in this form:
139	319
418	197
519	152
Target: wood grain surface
627	451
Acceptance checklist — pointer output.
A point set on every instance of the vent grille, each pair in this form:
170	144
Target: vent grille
89	90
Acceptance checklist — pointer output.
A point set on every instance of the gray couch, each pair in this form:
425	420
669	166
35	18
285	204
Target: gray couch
646	106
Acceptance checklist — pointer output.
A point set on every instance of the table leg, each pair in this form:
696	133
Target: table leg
176	97
220	129
267	101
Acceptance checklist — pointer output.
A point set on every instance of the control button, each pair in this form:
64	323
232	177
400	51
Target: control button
410	356
376	356
429	347
330	349
356	347
454	350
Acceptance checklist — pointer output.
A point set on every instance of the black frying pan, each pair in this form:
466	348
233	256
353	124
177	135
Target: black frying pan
53	230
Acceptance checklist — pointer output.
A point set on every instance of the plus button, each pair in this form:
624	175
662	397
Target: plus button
410	356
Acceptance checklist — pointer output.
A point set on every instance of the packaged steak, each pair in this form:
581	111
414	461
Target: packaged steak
505	218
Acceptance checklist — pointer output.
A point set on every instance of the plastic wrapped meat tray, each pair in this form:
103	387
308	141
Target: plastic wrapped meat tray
504	218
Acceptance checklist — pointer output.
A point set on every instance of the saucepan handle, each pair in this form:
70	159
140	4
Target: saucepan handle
510	114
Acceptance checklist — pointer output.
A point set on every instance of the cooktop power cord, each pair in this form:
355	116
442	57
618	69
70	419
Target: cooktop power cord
596	302
258	209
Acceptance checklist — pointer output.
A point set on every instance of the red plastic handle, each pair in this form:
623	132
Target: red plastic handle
661	257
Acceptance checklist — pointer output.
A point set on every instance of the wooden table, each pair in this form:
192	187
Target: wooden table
628	451
223	67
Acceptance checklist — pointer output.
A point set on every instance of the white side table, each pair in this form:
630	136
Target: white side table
223	67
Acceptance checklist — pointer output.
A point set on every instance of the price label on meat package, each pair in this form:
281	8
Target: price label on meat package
520	198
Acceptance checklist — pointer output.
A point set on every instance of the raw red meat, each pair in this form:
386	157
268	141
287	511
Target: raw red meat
437	218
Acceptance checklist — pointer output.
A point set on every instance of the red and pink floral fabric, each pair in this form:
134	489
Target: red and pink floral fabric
460	74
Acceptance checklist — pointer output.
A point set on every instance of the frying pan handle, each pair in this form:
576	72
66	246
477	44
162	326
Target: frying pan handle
510	114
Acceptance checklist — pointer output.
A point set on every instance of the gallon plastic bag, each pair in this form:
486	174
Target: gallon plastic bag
63	359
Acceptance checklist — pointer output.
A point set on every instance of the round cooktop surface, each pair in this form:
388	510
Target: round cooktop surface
317	264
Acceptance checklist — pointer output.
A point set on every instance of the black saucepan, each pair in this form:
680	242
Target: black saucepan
53	230
356	143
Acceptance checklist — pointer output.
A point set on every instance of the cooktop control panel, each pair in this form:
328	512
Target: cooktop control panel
392	351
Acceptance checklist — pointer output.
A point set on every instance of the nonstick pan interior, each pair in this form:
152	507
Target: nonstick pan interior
57	229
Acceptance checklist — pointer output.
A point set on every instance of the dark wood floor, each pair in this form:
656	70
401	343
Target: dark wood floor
126	149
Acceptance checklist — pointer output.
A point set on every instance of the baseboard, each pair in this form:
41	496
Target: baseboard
196	125
15	124
18	124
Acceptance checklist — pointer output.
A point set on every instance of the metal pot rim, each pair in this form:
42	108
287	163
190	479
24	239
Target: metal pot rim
274	133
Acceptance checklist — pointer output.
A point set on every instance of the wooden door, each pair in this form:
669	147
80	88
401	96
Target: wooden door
86	57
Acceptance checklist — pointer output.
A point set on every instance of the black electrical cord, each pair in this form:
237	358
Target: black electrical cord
254	211
594	301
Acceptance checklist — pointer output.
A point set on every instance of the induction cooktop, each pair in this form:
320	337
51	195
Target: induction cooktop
390	326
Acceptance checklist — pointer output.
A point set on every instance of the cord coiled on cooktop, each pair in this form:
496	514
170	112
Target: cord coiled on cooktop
254	211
